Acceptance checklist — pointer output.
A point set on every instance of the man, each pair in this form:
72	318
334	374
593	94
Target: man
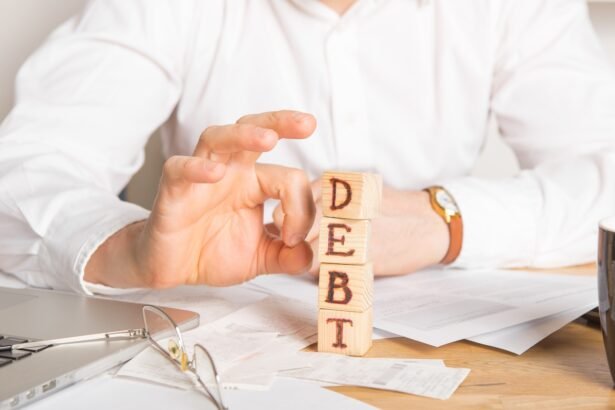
400	87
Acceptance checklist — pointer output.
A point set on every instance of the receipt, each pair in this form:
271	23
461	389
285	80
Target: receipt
273	314
422	378
228	348
281	354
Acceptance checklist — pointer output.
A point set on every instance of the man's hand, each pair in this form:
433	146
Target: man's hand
407	236
206	225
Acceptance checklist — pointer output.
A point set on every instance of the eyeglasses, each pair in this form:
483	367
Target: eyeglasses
165	336
161	331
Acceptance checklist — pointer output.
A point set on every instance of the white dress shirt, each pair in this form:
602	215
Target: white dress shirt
401	87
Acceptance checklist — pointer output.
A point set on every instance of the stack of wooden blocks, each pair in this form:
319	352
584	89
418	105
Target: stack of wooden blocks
346	281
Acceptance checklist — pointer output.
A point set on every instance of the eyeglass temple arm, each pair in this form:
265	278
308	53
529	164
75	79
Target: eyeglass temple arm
117	335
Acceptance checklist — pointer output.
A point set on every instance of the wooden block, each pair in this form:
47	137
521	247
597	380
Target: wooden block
351	195
346	287
344	241
348	333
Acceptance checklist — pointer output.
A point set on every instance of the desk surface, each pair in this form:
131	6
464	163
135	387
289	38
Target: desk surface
566	370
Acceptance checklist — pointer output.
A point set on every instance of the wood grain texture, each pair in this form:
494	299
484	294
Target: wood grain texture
567	370
360	284
362	192
356	337
344	241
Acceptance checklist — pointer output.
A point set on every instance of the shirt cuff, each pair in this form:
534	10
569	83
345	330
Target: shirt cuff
103	290
499	220
76	241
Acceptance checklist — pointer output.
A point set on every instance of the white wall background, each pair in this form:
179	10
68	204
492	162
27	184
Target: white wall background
25	23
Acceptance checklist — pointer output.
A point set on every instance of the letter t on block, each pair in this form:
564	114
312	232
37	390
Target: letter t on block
351	195
348	333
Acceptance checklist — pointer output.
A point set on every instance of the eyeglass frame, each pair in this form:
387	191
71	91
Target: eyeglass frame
183	364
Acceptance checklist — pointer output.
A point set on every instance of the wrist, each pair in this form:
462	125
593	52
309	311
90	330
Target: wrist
115	261
445	206
436	232
422	229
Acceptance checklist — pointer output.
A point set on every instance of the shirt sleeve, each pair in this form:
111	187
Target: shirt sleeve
553	95
86	103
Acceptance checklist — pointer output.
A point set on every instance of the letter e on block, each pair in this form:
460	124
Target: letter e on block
348	333
345	287
351	195
343	241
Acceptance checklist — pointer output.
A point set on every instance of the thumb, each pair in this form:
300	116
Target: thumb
278	217
316	189
276	257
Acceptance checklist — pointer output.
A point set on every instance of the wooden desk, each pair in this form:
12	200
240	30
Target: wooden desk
566	370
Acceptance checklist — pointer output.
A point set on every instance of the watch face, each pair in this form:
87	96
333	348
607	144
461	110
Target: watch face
445	201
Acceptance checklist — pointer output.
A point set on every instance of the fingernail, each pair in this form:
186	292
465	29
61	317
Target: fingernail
300	116
266	134
211	165
296	240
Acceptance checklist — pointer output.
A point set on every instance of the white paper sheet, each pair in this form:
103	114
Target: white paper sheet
209	302
272	314
441	306
518	339
149	365
249	346
423	378
229	348
9	281
281	354
105	393
292	394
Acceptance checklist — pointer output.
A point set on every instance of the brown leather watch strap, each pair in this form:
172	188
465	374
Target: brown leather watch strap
452	219
455	229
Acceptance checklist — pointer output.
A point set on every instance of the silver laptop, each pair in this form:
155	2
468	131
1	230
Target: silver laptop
30	315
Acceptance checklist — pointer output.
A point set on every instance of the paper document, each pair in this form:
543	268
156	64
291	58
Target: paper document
518	339
439	306
249	346
209	302
274	314
442	307
292	394
119	393
423	378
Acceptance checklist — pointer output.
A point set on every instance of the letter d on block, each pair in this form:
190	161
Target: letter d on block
335	182
351	195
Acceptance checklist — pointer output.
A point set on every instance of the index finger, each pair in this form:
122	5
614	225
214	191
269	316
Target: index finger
287	123
292	188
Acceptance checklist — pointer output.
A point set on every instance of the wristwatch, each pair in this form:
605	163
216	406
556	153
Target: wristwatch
444	204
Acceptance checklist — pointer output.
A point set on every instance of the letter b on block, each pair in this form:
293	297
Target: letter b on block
345	287
351	195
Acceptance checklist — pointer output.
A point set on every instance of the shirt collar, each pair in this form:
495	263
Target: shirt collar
316	8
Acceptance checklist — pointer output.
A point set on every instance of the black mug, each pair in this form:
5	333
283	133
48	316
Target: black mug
606	288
